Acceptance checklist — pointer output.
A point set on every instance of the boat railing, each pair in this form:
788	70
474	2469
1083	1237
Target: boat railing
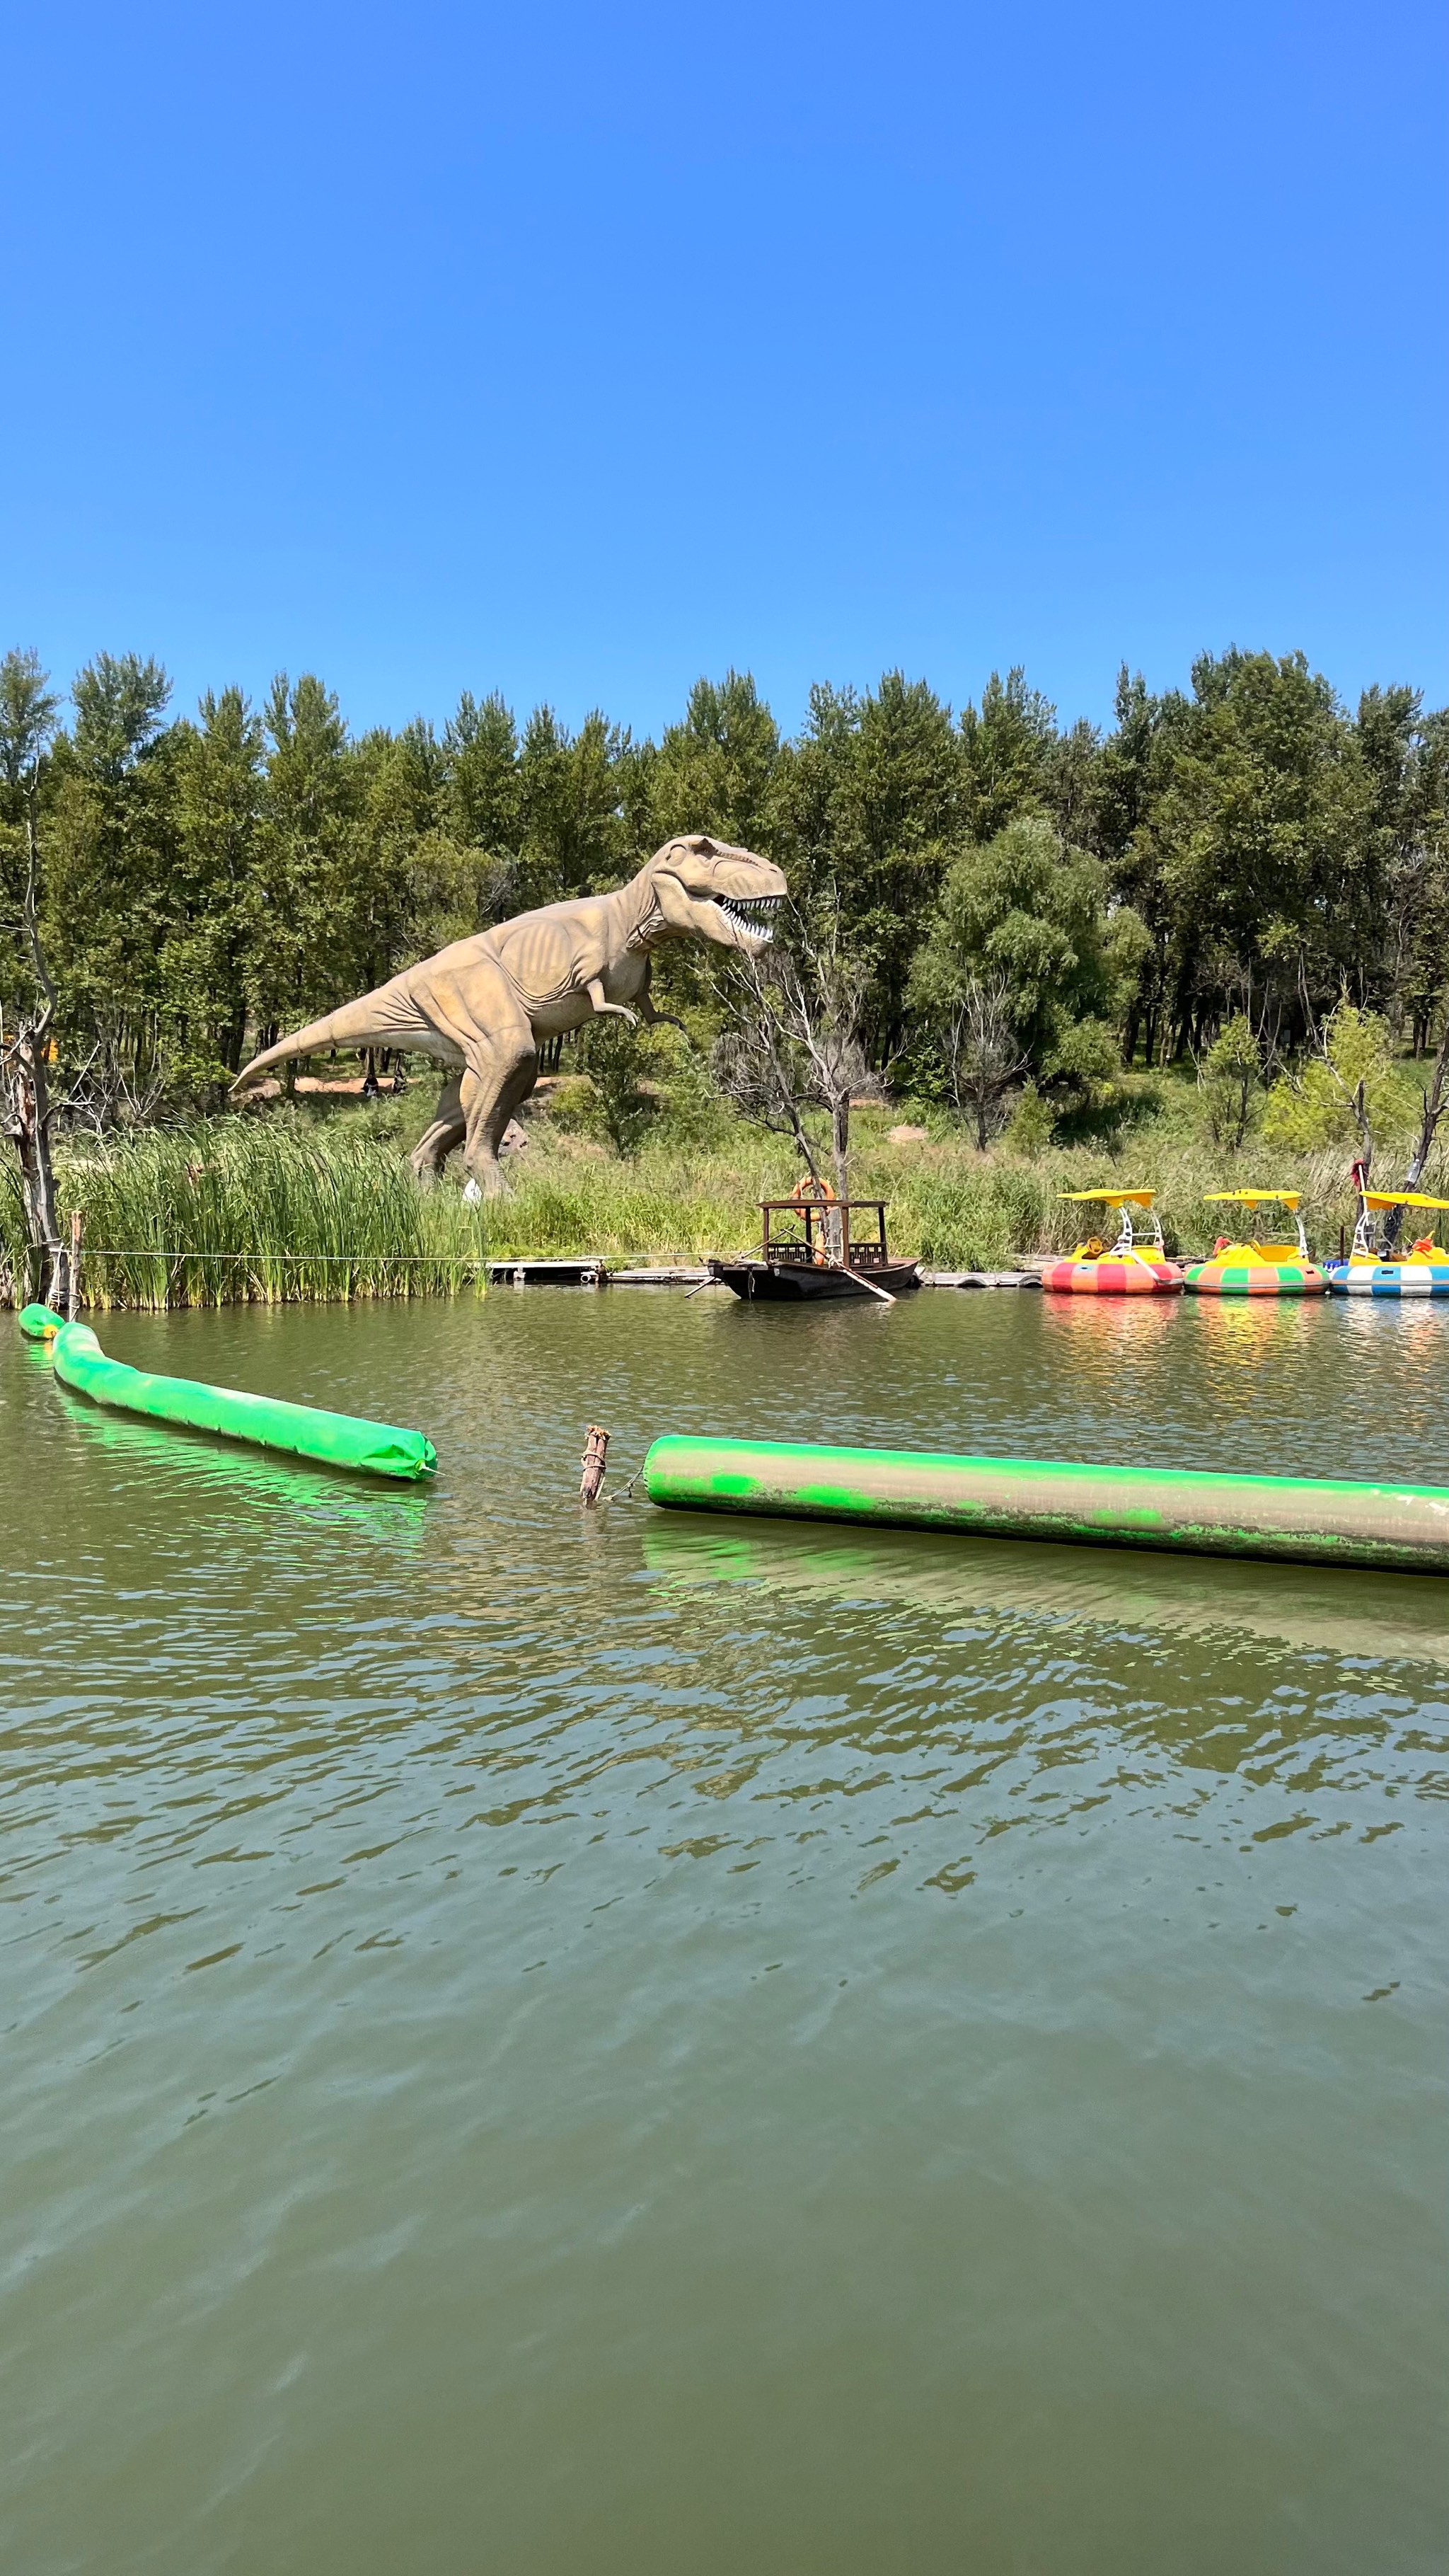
831	1233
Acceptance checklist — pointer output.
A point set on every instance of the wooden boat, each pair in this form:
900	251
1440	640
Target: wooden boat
816	1245
1422	1271
1123	1268
1254	1268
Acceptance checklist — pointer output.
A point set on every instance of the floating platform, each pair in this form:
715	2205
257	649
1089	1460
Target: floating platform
661	1276
590	1272
1302	1520
981	1278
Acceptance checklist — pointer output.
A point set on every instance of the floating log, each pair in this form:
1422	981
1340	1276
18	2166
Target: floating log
1305	1520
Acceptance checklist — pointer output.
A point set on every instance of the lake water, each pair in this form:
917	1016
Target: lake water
626	2043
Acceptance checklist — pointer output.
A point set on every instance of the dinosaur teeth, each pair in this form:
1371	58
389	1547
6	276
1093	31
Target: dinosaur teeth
752	912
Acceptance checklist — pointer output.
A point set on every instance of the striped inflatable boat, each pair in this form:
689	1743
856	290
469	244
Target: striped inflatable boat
1120	1269
1252	1268
1255	1279
1389	1278
1372	1268
1108	1278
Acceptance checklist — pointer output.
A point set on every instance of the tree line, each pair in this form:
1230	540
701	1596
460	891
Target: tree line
1020	901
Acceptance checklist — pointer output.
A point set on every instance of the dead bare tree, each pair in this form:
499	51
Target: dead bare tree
27	721
983	1056
1434	1107
105	1091
792	1042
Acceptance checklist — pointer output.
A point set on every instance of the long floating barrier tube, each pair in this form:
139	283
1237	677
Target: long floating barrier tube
1305	1520
332	1439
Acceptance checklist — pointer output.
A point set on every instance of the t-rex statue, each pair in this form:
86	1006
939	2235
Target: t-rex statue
483	1004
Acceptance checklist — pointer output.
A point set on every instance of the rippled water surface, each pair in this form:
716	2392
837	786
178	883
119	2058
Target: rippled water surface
635	2043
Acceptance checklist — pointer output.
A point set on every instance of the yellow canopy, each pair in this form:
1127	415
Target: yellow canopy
1109	1198
1401	1198
1252	1198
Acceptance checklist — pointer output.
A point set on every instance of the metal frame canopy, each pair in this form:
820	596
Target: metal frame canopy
1401	1198
1108	1198
1252	1198
1124	1201
1256	1199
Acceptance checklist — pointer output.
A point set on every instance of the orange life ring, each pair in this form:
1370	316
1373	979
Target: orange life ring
814	1194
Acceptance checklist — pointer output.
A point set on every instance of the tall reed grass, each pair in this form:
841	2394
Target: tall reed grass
280	1208
237	1210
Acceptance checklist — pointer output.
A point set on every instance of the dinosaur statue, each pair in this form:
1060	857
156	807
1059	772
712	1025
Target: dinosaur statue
483	1004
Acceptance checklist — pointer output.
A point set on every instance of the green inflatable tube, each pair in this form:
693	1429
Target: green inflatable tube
41	1323
332	1439
1305	1520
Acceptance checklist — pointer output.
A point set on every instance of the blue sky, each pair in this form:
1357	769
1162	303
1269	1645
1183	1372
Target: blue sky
575	352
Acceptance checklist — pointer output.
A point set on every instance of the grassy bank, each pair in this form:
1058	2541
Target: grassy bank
298	1204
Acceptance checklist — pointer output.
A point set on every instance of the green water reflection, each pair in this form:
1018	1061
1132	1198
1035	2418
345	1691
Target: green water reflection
623	2041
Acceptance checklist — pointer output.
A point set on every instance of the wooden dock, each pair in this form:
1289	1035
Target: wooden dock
980	1279
664	1276
591	1270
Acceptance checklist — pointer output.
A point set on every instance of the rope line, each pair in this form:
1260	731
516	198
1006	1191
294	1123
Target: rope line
355	1260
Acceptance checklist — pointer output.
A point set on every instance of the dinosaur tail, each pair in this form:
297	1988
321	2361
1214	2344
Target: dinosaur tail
388	1017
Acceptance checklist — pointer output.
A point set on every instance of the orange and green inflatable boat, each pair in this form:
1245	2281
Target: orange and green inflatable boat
1254	1268
1125	1268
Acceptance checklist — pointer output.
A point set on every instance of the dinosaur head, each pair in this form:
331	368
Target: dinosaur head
706	889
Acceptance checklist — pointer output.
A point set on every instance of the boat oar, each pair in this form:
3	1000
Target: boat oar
884	1294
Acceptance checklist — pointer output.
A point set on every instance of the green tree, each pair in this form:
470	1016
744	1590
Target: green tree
1131	772
1024	913
1260	844
28	711
112	897
1406	755
1348	1091
1012	754
871	803
206	955
572	829
483	791
403	779
303	932
715	772
1230	1081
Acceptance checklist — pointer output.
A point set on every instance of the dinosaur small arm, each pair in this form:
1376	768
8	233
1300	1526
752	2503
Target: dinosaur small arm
482	1005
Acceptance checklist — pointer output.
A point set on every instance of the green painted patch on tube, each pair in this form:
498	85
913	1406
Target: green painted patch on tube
303	1430
1299	1518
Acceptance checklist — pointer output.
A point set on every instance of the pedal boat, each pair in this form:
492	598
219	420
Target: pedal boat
1255	1268
1422	1271
1125	1268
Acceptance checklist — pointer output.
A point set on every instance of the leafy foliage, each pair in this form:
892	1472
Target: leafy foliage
1350	1091
1219	872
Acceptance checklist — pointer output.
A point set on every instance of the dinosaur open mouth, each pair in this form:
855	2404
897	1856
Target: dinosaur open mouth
752	912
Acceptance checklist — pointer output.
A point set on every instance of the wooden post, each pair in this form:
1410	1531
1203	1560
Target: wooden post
595	1458
72	1290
